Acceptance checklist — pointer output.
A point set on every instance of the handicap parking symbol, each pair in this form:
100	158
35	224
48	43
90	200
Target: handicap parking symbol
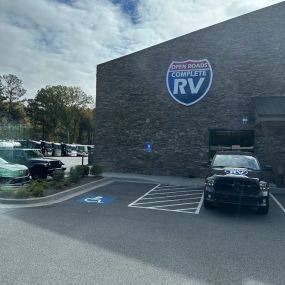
97	199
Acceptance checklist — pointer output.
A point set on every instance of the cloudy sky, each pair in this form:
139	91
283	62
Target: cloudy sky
50	42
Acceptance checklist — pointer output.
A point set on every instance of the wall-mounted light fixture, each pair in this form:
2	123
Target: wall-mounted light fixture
244	120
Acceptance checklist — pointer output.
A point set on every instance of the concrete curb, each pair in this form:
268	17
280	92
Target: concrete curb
64	195
79	190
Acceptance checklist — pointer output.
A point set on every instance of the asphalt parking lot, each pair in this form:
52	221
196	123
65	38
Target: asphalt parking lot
112	236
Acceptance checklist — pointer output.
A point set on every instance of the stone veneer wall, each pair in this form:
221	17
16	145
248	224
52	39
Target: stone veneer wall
133	105
274	150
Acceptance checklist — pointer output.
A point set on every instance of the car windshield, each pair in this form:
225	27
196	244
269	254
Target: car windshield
234	160
3	161
33	154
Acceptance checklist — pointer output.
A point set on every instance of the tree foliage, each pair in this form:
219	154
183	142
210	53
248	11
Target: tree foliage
57	112
11	90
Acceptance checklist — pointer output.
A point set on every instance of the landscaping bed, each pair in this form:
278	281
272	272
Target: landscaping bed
79	175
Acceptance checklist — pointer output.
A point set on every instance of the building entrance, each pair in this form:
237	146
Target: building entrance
219	140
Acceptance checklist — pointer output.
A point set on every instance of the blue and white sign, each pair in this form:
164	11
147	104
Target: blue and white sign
236	171
148	147
97	199
189	81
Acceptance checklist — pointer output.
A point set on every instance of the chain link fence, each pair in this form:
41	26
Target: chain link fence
15	131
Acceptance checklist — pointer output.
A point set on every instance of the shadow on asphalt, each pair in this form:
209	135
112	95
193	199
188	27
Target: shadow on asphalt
197	246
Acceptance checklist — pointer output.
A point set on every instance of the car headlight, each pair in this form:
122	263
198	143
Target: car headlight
5	172
263	186
210	181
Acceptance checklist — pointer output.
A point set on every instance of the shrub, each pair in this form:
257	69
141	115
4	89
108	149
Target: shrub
59	184
58	175
37	188
14	193
6	193
86	170
66	182
96	170
21	193
76	173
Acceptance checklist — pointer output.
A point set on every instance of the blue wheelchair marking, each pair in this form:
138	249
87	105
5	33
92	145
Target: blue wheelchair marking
97	199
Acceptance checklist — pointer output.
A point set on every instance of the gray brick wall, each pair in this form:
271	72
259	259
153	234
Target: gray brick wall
247	58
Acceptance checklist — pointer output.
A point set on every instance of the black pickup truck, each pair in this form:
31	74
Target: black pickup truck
237	178
39	166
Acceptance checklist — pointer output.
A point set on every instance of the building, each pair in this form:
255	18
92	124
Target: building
166	109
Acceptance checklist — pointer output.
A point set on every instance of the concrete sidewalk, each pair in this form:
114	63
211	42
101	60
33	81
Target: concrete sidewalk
171	180
160	179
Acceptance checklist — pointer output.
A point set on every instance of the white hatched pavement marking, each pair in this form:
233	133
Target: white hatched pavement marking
177	192
144	195
171	196
176	188
173	205
162	201
200	204
183	196
161	209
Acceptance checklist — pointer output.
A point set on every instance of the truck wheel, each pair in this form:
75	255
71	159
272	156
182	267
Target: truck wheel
263	210
207	204
39	173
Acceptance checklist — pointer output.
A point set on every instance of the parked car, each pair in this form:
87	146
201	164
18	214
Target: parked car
56	149
68	149
82	150
32	144
39	166
46	148
6	144
13	175
236	178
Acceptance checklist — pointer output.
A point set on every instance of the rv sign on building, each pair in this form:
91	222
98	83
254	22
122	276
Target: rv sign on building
189	81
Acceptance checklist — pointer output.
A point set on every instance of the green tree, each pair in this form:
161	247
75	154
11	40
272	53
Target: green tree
11	91
86	126
2	99
56	110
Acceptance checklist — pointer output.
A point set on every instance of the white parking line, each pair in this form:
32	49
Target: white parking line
161	209
162	201
144	195
173	205
176	188
277	202
157	198
180	191
200	204
172	196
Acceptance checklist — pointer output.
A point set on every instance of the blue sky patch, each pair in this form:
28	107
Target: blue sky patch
129	7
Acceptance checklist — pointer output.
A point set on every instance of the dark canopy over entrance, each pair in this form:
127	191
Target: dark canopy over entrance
270	109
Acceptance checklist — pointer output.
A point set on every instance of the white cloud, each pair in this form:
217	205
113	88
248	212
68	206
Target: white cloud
47	43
